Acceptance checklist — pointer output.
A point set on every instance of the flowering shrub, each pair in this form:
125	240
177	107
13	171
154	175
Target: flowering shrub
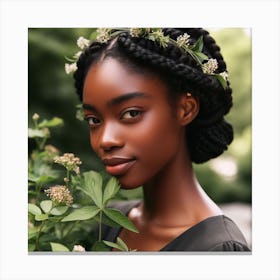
67	216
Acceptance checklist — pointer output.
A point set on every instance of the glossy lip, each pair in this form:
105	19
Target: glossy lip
117	166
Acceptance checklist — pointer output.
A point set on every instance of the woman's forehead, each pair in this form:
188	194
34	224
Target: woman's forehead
112	78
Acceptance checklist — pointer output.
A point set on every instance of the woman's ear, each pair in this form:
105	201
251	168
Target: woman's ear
187	109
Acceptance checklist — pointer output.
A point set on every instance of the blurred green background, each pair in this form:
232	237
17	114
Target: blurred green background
51	93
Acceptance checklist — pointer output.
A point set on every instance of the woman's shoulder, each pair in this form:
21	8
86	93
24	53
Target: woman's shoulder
216	233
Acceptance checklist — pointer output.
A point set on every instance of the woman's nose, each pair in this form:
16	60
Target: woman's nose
110	138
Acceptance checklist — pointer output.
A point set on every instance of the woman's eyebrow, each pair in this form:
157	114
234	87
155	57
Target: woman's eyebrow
117	100
125	97
89	107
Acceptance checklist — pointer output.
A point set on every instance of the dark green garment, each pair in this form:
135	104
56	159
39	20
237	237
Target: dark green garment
217	233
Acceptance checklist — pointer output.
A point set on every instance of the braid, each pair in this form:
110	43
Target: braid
209	134
89	55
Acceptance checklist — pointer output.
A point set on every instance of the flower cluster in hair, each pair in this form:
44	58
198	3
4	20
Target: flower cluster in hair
103	35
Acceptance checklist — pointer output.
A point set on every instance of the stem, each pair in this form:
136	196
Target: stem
70	229
67	178
100	223
38	190
38	235
42	144
38	143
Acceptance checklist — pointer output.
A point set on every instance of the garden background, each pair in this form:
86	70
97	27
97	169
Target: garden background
51	93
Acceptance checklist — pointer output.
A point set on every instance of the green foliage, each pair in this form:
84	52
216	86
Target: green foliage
59	223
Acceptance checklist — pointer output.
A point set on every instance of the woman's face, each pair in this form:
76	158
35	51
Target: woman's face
133	128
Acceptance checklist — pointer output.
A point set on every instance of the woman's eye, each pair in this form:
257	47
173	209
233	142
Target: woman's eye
131	114
93	121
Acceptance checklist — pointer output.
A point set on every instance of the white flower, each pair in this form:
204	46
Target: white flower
183	40
82	42
103	35
135	32
59	195
224	75
78	248
35	117
69	68
210	66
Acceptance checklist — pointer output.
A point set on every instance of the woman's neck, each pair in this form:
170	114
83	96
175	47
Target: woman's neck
174	197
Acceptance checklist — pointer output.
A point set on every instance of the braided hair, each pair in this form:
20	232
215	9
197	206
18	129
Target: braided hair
209	134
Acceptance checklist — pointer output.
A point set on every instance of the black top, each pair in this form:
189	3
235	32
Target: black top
217	233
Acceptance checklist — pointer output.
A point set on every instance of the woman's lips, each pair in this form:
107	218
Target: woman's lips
117	166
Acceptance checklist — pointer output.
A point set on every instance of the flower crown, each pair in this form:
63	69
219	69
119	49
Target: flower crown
103	35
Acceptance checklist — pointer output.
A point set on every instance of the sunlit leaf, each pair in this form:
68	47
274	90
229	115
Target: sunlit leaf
113	245
93	187
33	133
112	187
121	243
57	247
32	232
118	217
51	123
84	213
59	210
34	209
46	205
41	217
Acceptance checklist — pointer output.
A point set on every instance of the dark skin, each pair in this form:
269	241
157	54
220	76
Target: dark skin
141	139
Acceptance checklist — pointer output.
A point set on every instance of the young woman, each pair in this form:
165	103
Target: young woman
155	102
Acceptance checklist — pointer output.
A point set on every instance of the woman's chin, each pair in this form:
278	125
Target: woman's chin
128	184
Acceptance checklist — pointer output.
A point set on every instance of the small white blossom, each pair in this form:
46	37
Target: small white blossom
224	75
103	35
82	42
210	66
59	195
69	161
69	68
159	36
35	117
183	40
78	248
135	32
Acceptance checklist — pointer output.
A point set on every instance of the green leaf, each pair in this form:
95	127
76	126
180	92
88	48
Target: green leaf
107	221
33	133
51	123
198	46
100	246
45	179
120	218
31	247
57	247
113	245
84	213
93	187
32	232
59	210
112	187
121	243
41	217
221	80
202	56
34	209
46	205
